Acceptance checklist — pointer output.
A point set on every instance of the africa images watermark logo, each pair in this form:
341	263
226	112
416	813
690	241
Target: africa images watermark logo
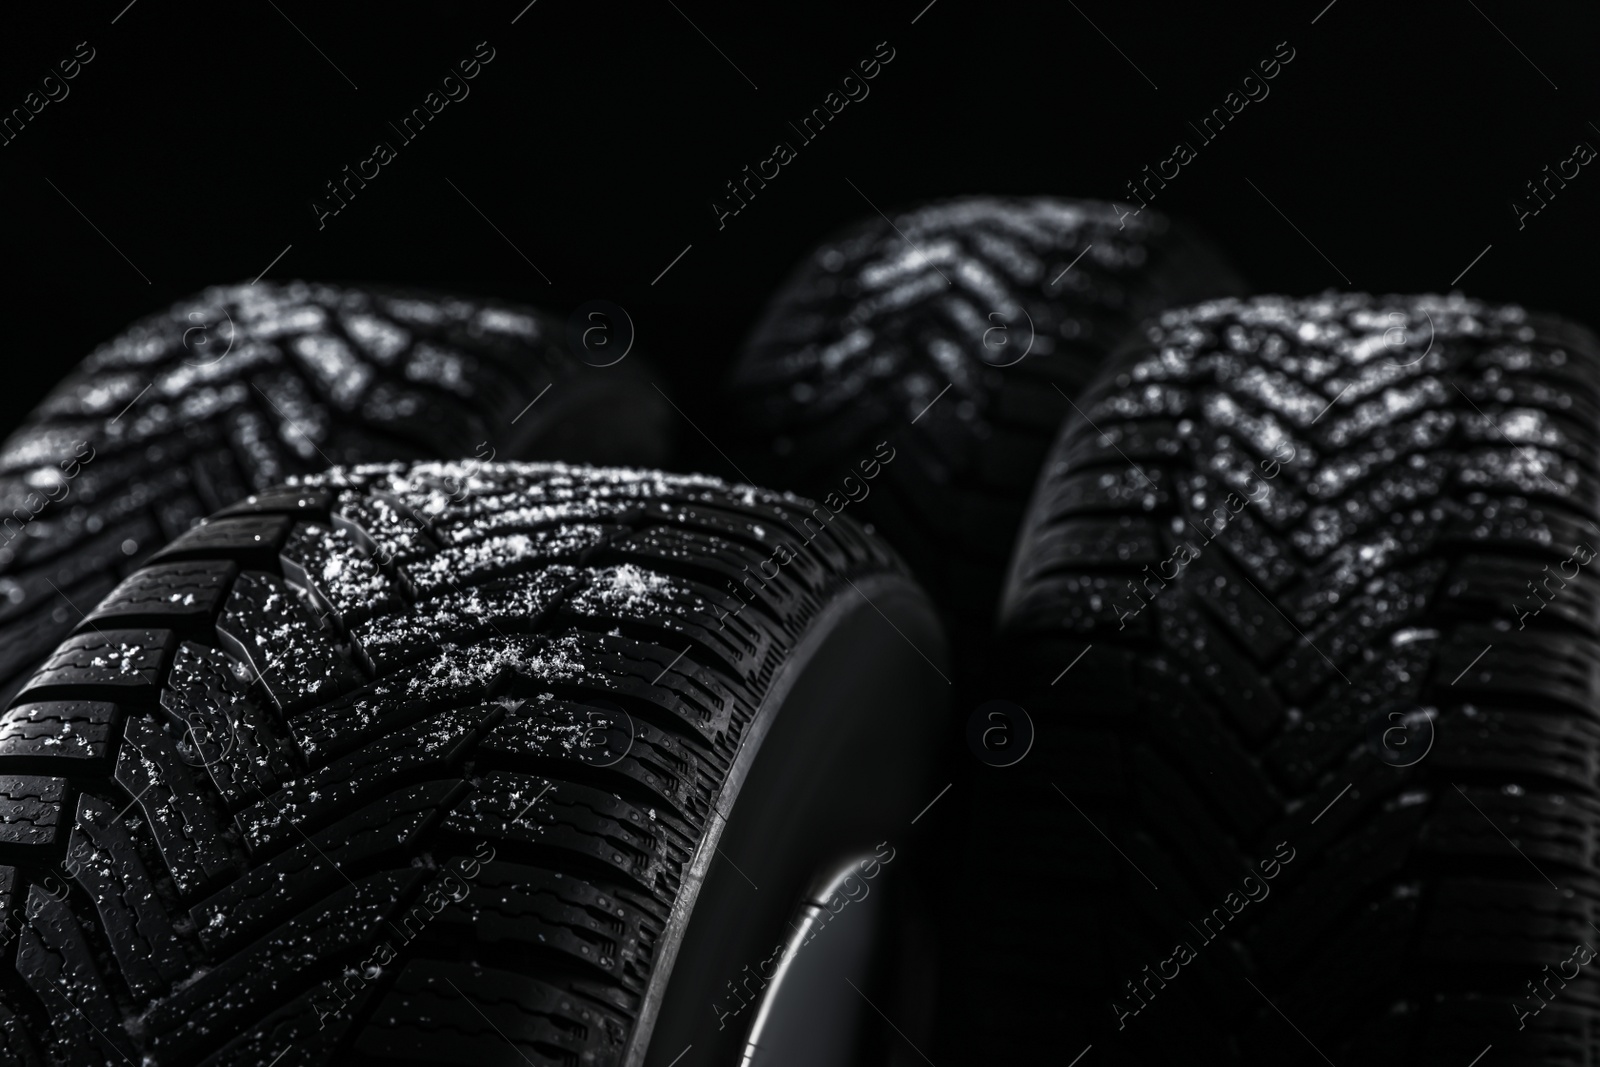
452	88
813	525
1251	89
1255	889
852	87
52	90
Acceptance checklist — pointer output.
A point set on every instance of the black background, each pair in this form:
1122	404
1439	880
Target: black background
598	136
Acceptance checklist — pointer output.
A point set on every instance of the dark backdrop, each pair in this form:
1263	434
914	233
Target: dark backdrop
595	141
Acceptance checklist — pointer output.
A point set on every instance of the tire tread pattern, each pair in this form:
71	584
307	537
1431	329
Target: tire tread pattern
239	387
1395	504
414	776
863	340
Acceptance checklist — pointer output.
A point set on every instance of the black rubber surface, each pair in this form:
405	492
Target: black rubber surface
1387	505
239	387
318	782
968	306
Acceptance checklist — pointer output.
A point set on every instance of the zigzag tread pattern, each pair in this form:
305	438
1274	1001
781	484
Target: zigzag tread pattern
1010	305
437	855
1295	538
239	387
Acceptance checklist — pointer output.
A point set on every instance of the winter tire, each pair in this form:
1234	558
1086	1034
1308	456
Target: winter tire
239	387
1321	559
960	332
453	764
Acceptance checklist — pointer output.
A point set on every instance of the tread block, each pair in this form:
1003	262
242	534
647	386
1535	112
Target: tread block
1521	662
1240	606
15	1045
305	502
301	1028
186	829
1343	630
238	743
1483	917
1557	832
693	693
1490	738
178	514
385	527
327	563
11	909
250	541
306	423
395	638
1092	541
627	592
599	664
515	905
106	664
378	337
1236	681
455	371
251	438
554	732
63	736
220	1001
538	1019
425	749
26	642
337	373
438	428
313	867
55	961
578	818
1218	766
74	560
487	510
1369	857
1495	585
267	624
32	810
217	478
103	859
477	562
167	594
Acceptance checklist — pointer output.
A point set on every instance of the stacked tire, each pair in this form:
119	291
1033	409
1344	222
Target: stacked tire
428	763
323	743
236	389
1319	781
958	335
424	761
